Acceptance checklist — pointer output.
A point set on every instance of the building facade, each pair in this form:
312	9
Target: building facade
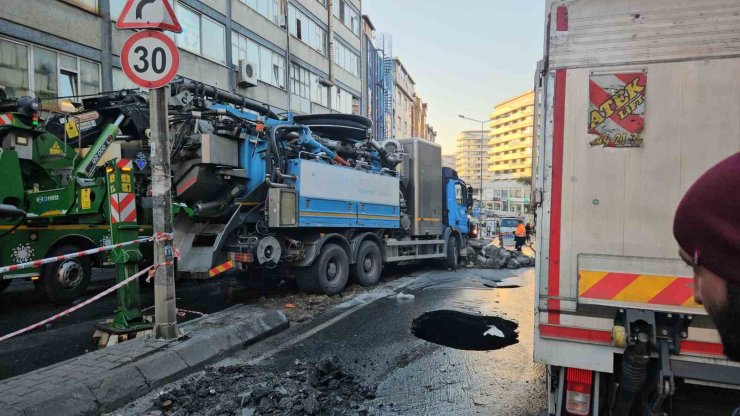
510	138
507	198
430	133
418	118
471	157
449	161
403	103
73	48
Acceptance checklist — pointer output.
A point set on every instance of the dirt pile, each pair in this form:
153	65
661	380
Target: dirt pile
307	388
486	254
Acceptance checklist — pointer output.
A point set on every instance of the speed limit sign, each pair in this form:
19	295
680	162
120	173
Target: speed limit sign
150	59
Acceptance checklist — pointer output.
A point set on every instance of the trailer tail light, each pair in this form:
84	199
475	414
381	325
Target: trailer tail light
578	391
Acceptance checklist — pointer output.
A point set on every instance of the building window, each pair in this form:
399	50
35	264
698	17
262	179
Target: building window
189	39
320	93
214	41
201	35
116	7
14	68
347	15
269	64
347	59
344	101
44	73
300	87
54	74
306	30
121	81
269	9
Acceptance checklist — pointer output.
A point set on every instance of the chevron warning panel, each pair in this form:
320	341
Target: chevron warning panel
637	288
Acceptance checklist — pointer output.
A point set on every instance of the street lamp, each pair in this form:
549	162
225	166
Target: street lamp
480	150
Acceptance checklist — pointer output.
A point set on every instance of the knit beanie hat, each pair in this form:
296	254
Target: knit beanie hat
707	221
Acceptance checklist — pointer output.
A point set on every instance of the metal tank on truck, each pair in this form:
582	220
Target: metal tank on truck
309	196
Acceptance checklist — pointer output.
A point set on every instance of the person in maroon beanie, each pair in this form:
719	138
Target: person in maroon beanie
707	229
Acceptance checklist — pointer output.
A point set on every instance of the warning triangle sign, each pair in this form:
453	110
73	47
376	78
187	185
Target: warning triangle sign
148	14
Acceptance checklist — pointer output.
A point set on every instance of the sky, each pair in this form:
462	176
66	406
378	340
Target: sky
465	55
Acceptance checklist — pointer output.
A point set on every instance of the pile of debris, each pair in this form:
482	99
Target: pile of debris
307	388
486	254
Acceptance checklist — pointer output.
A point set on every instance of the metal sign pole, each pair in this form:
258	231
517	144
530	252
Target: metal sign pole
165	310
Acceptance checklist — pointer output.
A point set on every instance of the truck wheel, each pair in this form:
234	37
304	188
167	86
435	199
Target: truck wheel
369	264
64	281
453	254
4	284
328	274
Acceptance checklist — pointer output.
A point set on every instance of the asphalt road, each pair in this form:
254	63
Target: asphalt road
415	377
71	335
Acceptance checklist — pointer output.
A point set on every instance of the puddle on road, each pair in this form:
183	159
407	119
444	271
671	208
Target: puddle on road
464	331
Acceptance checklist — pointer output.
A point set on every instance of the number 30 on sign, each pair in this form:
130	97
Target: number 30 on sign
150	59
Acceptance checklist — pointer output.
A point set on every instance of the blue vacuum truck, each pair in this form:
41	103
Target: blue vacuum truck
313	197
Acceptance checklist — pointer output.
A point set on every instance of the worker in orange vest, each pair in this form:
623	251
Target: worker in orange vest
520	235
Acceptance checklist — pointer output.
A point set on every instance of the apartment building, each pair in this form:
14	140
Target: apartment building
73	48
403	104
430	134
511	137
449	161
472	157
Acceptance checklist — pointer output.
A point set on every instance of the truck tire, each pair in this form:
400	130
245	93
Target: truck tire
328	274
369	264
64	281
453	254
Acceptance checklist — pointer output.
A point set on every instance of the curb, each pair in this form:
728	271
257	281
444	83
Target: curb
146	365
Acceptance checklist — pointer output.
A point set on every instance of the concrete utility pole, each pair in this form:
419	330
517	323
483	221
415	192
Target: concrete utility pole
165	310
480	151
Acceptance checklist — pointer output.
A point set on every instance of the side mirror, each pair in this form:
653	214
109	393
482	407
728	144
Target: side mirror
470	196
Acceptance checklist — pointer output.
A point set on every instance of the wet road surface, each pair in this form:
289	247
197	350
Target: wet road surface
71	335
413	376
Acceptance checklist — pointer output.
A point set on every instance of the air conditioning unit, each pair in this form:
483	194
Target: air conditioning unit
246	75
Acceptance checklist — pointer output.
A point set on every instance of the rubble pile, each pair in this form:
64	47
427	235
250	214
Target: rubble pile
307	388
486	254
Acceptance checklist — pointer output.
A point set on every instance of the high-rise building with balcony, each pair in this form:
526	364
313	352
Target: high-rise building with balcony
472	157
510	138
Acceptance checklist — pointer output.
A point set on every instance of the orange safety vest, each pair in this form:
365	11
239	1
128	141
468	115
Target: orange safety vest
520	231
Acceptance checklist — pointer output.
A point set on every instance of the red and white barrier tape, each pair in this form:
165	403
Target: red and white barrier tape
183	312
78	306
180	311
40	262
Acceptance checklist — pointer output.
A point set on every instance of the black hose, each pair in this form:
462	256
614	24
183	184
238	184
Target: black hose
274	150
634	373
224	96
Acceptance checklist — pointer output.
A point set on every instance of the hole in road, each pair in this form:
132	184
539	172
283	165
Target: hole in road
464	331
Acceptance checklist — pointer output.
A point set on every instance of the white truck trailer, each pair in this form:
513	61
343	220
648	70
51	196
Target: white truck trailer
635	100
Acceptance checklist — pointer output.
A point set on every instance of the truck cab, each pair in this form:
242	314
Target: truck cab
458	199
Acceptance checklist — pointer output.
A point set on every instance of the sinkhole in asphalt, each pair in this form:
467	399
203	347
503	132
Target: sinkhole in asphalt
464	331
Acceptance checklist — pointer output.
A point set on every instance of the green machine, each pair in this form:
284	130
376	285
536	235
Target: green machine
67	199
